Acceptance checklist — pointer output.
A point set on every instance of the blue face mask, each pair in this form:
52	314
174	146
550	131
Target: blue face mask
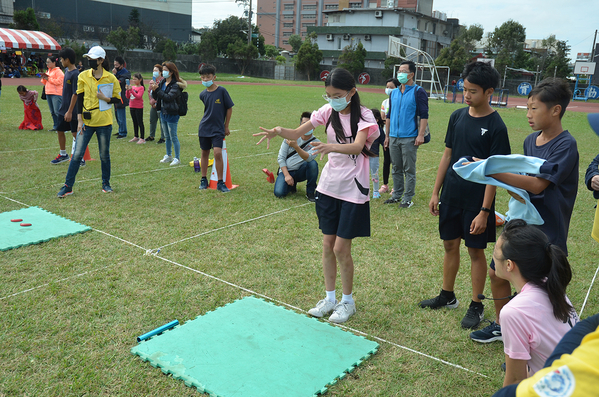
402	77
155	74
208	83
388	91
165	74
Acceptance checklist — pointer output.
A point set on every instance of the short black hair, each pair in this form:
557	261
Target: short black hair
120	60
394	81
553	91
305	115
67	53
207	69
411	65
481	74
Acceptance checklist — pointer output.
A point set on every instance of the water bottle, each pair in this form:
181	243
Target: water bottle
196	164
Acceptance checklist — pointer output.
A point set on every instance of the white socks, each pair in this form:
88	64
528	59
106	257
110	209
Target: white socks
346	298
331	296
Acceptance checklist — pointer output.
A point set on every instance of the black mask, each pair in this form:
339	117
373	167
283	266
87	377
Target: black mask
92	63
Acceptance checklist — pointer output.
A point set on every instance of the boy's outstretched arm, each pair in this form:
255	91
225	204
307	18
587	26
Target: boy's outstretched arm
532	184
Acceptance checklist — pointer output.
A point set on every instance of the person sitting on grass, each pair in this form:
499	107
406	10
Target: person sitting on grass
297	163
535	320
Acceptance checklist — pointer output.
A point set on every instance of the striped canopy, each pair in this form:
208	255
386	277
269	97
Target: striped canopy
24	39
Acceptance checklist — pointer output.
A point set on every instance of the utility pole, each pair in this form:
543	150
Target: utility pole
593	49
250	24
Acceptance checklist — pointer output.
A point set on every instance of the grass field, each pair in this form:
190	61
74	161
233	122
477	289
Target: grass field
73	307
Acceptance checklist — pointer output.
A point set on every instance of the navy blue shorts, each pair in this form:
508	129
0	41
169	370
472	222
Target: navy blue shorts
207	143
66	126
455	223
342	218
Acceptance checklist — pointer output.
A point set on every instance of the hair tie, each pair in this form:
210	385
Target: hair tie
547	246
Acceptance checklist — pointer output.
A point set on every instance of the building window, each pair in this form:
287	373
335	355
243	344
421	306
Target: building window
339	43
288	7
88	28
287	34
335	18
309	16
285	42
288	25
331	7
309	7
355	5
308	24
288	16
104	30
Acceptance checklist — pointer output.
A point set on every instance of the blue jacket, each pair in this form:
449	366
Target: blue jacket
515	164
403	109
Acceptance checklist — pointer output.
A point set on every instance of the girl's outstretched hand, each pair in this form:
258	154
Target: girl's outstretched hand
321	148
268	135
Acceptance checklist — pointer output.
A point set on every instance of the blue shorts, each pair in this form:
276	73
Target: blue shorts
342	218
207	143
454	222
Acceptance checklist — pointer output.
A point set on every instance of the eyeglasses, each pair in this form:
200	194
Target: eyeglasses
327	98
404	71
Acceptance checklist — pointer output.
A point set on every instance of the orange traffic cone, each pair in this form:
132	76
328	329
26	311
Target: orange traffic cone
87	156
226	171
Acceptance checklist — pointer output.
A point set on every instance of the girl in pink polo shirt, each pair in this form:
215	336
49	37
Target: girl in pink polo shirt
135	93
535	320
343	189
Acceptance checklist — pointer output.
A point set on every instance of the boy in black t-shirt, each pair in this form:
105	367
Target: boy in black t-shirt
466	209
214	126
552	195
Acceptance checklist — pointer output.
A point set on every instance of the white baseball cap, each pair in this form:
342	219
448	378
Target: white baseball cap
96	52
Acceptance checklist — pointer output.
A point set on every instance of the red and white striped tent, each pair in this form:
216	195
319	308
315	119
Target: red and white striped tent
26	39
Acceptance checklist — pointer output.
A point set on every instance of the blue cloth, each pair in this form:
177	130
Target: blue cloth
103	135
121	120
514	163
170	124
402	111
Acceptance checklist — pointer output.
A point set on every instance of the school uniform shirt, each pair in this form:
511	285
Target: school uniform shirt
69	88
88	85
530	330
480	137
556	202
216	104
136	97
346	176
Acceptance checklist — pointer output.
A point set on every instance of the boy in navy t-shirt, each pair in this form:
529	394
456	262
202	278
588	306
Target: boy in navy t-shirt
214	126
552	195
466	209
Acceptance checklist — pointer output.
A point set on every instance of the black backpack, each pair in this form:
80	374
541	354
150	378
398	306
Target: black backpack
182	103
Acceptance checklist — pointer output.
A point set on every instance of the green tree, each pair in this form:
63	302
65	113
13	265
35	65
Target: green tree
295	41
506	43
271	51
468	37
309	56
208	49
555	60
228	31
25	20
79	49
242	53
454	56
123	40
134	17
353	58
390	63
170	50
189	48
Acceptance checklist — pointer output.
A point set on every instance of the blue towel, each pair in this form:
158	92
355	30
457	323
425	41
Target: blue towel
513	163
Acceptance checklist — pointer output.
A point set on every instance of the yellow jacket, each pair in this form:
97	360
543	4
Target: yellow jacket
88	85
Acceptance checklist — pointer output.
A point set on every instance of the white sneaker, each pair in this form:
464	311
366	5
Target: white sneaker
342	312
322	308
175	162
166	159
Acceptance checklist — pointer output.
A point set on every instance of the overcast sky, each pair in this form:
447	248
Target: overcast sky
574	21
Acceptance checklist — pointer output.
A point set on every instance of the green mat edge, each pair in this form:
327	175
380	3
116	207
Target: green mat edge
191	382
85	229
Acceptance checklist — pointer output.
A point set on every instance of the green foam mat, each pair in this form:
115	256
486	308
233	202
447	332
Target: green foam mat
44	226
254	348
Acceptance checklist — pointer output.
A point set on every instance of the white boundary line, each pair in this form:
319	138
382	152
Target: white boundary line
588	292
246	289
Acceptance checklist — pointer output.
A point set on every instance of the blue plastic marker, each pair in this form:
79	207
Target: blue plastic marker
158	330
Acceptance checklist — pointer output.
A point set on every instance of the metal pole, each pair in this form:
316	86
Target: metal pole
593	49
537	76
504	75
555	72
250	24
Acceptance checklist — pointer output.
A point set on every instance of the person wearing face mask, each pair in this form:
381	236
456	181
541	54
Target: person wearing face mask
120	111
218	108
154	113
391	85
90	119
297	162
404	133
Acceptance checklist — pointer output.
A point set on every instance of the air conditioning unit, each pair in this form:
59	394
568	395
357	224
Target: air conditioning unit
378	14
346	36
329	37
367	37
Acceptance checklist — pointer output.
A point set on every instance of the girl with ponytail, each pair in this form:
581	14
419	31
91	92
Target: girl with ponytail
535	320
343	189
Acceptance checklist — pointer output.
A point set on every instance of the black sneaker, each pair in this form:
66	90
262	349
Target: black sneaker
82	163
106	189
149	139
391	201
221	187
117	134
439	301
473	317
65	191
121	137
203	184
489	334
311	197
160	141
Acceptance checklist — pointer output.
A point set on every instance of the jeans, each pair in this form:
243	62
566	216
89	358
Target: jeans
169	124
374	172
403	157
103	135
54	103
121	119
308	171
154	117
